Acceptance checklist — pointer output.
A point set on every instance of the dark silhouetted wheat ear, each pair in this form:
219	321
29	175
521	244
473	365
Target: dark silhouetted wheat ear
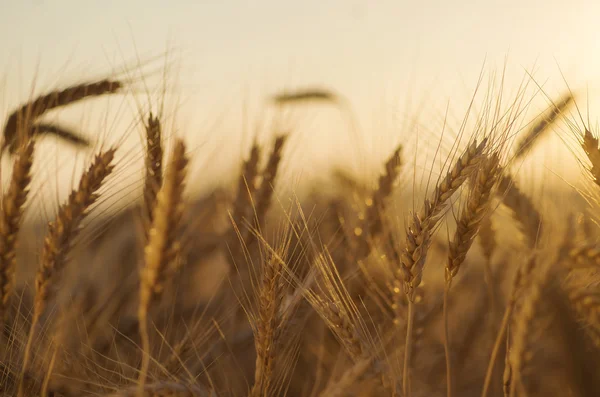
23	118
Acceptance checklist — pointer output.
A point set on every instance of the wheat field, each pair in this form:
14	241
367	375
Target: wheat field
470	286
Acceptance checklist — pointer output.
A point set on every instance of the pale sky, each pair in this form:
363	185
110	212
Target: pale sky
380	55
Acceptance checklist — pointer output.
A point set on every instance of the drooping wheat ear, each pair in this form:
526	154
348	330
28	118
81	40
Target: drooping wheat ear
13	204
590	146
163	246
423	222
474	211
23	118
412	259
269	175
373	221
61	234
306	95
537	129
524	211
163	389
268	327
154	167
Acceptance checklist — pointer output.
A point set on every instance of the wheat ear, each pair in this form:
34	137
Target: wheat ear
590	146
242	204
162	247
422	223
585	255
524	211
269	174
306	95
58	241
467	228
11	216
373	221
473	213
541	126
23	118
153	167
418	233
268	328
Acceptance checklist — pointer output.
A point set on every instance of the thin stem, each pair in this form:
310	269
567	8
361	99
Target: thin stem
495	350
447	341
145	339
46	383
408	348
27	355
509	384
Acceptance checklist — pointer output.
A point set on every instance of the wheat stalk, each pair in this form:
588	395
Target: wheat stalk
59	239
523	272
418	233
163	246
467	228
163	389
518	357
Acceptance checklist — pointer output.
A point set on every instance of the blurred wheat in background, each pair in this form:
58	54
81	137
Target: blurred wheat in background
464	284
290	248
